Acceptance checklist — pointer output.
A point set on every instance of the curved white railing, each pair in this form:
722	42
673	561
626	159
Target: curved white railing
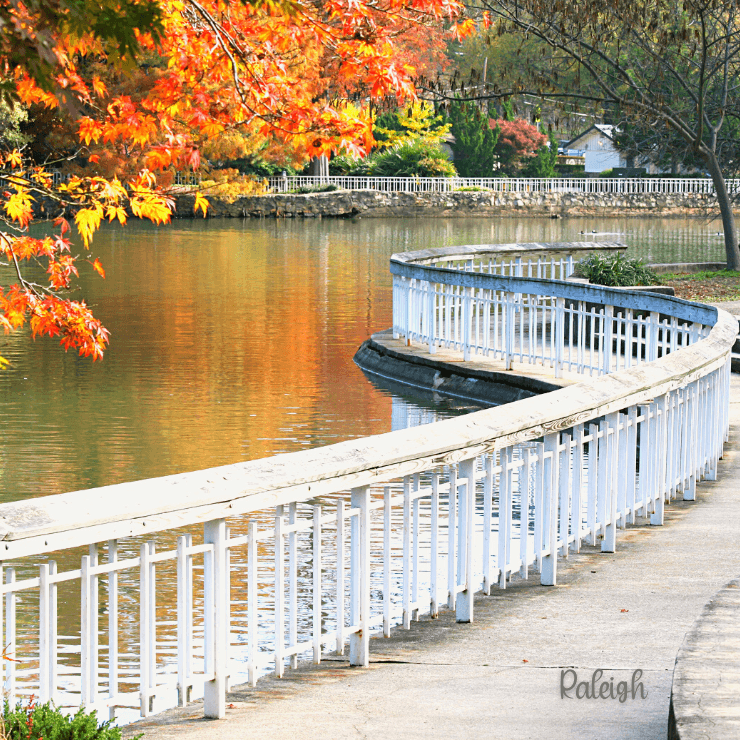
427	516
507	311
624	185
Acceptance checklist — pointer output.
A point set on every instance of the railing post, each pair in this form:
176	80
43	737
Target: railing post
214	691
184	619
509	313
467	322
559	336
45	636
466	529
431	324
549	563
611	446
410	314
10	646
606	367
146	697
651	351
279	592
359	642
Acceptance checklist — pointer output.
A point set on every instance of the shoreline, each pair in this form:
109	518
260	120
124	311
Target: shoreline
459	204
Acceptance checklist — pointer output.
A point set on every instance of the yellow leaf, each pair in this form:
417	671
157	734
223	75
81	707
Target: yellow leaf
14	159
200	202
87	221
18	207
151	206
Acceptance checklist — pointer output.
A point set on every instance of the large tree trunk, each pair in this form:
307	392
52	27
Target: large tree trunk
725	208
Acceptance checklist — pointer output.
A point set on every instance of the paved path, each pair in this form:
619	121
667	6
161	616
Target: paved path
500	677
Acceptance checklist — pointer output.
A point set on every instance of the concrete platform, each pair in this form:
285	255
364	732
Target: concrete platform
482	378
507	675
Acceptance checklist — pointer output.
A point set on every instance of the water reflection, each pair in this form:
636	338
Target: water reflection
232	340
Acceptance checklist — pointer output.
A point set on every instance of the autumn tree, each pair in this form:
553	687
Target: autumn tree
286	70
670	65
517	144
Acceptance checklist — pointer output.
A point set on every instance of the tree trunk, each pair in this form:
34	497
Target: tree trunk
725	208
320	166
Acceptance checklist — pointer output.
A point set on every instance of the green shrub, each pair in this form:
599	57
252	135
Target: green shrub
414	158
346	165
615	270
327	187
471	189
46	722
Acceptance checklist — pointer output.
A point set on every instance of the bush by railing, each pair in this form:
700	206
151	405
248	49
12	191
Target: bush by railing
428	516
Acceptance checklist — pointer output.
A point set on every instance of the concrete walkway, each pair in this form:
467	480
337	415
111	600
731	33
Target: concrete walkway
501	676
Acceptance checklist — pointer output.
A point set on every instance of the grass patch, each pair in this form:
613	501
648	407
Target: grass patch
712	286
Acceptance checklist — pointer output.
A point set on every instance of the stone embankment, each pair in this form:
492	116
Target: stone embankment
376	204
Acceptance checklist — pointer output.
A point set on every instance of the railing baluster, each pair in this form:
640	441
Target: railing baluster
316	585
214	691
252	612
466	529
359	641
434	548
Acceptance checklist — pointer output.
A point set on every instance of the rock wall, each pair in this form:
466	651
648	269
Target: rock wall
375	204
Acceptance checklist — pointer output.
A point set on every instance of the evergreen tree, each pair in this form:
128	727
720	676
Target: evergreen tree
475	140
543	163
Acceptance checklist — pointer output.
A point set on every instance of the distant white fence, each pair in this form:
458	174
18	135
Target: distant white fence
625	185
134	597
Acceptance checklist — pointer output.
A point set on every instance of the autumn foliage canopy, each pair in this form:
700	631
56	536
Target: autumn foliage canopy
148	87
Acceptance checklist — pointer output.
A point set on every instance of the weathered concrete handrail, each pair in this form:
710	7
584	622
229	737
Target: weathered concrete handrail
524	260
577	446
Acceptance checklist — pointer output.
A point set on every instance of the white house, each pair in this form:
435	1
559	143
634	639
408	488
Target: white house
597	144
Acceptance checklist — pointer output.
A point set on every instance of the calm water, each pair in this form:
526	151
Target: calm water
234	340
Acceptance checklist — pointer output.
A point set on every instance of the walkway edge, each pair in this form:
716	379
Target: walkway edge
704	696
488	386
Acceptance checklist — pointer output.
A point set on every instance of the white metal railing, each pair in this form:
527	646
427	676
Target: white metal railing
502	309
625	185
117	598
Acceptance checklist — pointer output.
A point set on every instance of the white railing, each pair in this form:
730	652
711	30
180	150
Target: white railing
498	310
117	599
625	185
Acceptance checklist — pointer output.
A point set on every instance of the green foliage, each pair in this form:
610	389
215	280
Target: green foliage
12	117
322	188
472	189
507	110
703	275
46	722
346	165
615	271
417	121
415	158
544	162
475	141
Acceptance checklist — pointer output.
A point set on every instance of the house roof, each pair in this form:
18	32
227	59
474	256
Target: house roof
604	129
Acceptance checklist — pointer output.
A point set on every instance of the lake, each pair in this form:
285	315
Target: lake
233	340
